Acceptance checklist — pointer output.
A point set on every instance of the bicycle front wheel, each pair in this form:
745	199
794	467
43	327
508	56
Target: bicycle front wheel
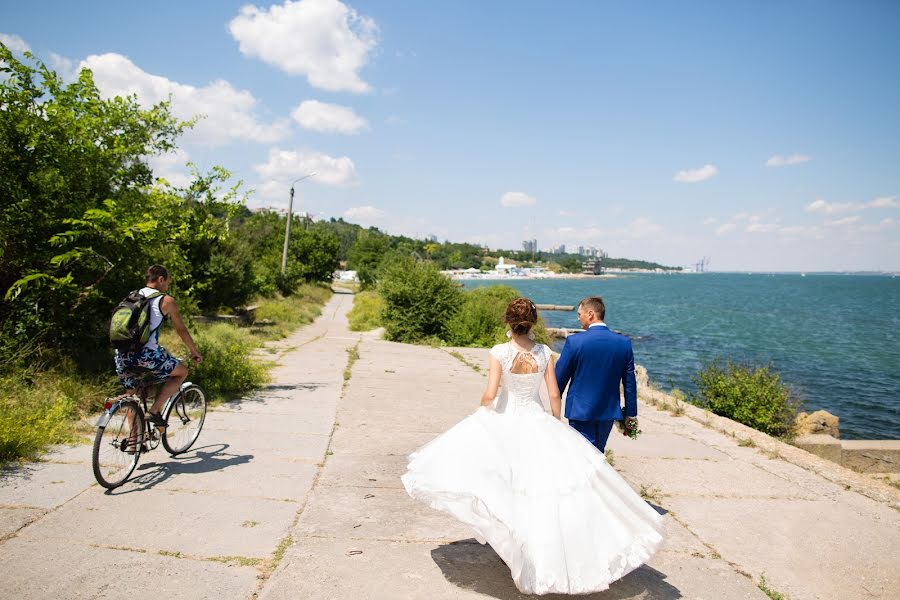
185	420
117	445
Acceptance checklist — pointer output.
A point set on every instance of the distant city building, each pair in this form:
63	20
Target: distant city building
530	246
561	249
432	239
581	250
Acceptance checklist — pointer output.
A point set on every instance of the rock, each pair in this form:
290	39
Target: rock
819	422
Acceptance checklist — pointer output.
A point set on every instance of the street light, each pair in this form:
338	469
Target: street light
287	229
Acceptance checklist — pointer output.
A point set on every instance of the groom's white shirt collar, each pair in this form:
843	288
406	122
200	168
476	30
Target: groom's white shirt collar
597	324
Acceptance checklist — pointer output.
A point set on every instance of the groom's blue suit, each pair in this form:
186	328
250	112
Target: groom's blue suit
596	361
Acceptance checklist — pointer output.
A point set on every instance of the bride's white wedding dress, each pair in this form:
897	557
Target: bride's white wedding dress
534	489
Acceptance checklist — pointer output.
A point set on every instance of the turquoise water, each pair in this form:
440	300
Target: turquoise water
835	339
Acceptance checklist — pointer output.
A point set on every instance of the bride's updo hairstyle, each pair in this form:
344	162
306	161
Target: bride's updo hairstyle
521	315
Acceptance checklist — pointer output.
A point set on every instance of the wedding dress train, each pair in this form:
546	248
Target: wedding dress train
534	489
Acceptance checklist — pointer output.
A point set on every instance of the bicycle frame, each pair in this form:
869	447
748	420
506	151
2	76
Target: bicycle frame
111	407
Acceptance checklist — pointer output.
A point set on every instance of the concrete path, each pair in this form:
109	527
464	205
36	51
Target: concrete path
304	478
207	524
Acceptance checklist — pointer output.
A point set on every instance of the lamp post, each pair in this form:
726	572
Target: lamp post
287	229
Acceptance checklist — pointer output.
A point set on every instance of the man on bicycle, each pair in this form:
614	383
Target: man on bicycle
152	356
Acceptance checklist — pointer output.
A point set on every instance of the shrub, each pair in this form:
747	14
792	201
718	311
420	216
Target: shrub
479	321
277	317
419	301
228	369
752	395
366	312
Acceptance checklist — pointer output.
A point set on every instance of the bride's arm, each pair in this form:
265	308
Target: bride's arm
493	384
553	389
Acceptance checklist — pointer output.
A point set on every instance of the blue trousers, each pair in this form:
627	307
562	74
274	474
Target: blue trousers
596	432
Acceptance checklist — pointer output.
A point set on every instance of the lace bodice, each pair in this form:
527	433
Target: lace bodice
523	373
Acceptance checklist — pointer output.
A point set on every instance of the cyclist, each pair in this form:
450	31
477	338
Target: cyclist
152	356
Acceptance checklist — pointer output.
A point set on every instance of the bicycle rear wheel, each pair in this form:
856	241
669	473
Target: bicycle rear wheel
185	420
117	445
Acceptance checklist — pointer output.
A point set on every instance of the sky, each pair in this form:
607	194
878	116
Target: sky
764	135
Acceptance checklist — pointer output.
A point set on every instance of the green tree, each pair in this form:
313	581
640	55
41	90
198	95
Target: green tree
366	255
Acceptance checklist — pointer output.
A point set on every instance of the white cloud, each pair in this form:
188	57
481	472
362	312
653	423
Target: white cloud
830	208
287	165
513	199
696	175
319	116
64	67
363	215
725	228
709	220
757	227
15	43
784	161
884	202
324	40
842	222
229	112
171	167
567	213
741	216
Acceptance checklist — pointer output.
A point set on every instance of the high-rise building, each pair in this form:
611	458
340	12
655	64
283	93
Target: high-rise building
530	246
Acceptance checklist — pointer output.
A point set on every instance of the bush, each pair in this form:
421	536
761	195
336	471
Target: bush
754	396
366	312
228	369
419	301
479	321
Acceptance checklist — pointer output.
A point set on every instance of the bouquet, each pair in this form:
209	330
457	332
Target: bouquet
629	426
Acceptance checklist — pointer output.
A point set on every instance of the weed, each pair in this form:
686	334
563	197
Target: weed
352	357
747	443
464	361
249	524
243	561
610	457
768	591
651	492
171	553
278	555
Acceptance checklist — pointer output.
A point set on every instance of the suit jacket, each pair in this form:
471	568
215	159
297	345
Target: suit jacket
596	361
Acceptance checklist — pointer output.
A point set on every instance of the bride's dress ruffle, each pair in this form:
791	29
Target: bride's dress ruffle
543	497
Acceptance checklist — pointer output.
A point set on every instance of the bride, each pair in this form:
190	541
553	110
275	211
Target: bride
531	486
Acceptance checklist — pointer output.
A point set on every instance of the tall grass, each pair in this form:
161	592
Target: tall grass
43	408
277	317
366	312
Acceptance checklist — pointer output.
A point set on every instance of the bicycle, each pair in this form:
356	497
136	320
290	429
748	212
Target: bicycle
124	432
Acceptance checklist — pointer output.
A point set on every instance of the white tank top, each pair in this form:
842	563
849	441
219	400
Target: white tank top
156	317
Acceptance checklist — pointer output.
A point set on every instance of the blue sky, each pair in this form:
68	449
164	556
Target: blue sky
765	135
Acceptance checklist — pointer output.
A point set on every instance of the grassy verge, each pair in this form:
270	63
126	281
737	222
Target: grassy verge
366	312
43	407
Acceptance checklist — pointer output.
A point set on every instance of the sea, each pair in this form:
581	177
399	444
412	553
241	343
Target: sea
833	338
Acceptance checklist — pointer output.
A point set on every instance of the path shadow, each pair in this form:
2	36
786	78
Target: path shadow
205	459
270	392
476	567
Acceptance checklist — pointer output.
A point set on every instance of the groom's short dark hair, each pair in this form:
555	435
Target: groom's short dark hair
594	303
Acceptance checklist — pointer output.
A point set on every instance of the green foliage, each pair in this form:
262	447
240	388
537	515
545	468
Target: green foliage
312	257
228	369
366	254
752	395
479	321
366	312
419	301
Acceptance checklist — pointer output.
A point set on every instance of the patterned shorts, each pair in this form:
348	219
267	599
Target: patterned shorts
159	360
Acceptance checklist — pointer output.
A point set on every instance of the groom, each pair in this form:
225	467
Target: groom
596	361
